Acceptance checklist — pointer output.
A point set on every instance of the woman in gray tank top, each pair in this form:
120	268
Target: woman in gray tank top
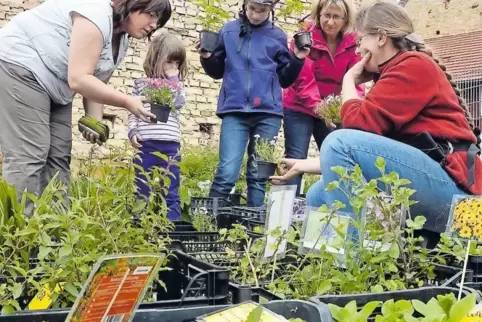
50	53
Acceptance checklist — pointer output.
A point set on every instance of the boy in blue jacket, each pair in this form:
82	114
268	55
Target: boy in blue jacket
253	58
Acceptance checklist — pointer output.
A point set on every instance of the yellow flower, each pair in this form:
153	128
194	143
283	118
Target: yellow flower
468	217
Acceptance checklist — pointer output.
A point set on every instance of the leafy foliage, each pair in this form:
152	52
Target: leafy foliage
214	15
329	109
444	308
60	245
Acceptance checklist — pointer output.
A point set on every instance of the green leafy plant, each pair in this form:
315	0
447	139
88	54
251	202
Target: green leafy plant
268	150
59	245
329	109
202	221
198	167
444	308
214	15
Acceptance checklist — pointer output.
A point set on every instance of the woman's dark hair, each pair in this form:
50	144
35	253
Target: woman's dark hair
123	8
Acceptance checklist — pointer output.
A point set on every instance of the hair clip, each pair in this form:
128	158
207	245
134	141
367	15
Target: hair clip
415	38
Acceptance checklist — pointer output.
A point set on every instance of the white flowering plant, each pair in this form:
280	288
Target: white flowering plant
329	109
268	150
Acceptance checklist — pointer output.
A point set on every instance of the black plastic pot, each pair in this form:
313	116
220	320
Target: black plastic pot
302	39
161	112
208	40
265	169
240	294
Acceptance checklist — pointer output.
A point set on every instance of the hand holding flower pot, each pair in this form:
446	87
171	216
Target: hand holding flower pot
160	94
213	19
268	156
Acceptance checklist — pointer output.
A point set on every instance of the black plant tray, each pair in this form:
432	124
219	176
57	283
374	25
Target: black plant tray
474	264
209	205
238	291
423	294
289	309
198	242
246	216
189	281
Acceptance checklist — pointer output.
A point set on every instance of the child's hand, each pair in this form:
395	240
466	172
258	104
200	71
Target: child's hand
135	141
301	53
204	54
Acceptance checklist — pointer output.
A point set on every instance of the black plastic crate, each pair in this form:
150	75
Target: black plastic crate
191	242
246	216
208	205
189	281
289	309
239	293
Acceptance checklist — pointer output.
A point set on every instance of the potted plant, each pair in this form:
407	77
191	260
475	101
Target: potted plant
214	16
160	94
268	156
329	110
303	37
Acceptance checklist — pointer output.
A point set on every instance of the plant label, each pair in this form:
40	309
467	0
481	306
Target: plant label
280	209
115	288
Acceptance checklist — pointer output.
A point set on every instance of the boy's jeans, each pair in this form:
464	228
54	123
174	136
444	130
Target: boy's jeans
345	148
149	161
237	130
298	128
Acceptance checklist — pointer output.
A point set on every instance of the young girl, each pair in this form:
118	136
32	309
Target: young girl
253	58
166	61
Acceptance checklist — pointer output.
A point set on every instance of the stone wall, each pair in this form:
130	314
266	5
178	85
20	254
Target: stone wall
434	18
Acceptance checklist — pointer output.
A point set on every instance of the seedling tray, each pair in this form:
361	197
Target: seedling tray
289	309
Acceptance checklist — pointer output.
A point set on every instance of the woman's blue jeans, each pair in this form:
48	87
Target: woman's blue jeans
345	148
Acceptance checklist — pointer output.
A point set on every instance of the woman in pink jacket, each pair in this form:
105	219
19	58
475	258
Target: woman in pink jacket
331	56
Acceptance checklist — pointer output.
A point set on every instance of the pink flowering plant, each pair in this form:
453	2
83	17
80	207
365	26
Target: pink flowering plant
161	92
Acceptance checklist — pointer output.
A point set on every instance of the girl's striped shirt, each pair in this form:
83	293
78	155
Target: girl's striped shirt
169	131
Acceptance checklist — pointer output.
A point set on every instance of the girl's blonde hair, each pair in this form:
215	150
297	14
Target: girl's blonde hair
397	25
165	47
343	5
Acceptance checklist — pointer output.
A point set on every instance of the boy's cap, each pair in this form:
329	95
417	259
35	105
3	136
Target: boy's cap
268	2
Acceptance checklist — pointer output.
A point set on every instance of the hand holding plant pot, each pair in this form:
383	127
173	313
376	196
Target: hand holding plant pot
303	37
213	19
160	94
268	156
329	110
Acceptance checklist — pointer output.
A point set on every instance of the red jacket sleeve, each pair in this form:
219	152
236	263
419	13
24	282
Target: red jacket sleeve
305	86
398	96
360	88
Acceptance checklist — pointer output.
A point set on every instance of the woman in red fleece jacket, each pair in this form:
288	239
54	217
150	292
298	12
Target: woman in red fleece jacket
331	56
412	96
